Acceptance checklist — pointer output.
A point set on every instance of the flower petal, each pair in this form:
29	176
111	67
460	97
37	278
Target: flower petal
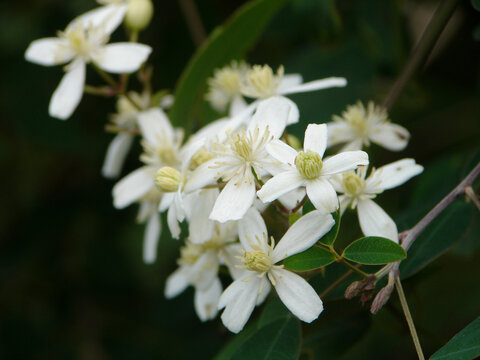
282	152
151	237
176	283
200	227
237	106
205	270
109	17
206	301
154	126
393	175
133	186
234	200
122	58
322	195
303	234
272	113
280	185
345	161
203	175
172	221
374	221
116	153
339	132
316	138
315	85
49	51
289	81
251	227
68	94
297	295
391	136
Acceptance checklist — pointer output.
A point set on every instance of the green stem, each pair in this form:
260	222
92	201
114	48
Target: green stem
341	260
108	79
336	283
408	317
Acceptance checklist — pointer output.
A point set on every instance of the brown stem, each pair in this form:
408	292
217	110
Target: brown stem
194	22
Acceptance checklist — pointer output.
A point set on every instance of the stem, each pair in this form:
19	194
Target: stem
472	196
194	22
108	79
336	283
341	260
422	49
408	317
300	204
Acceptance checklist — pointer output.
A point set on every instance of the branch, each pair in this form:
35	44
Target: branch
194	22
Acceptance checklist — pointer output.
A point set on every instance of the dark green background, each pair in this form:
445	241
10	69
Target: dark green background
72	282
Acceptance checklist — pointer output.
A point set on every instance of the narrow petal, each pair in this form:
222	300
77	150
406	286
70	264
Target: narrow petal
234	200
122	58
172	222
391	136
272	113
265	288
374	221
316	138
154	126
297	295
237	106
204	272
303	234
290	81
294	113
116	154
238	310
353	145
133	186
108	16
200	227
202	176
282	152
68	94
316	85
393	175
339	132
48	52
322	195
345	202
151	237
176	283
280	185
206	301
250	227
345	161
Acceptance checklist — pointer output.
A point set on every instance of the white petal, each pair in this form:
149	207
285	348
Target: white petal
48	52
289	81
294	113
345	202
393	175
116	154
303	234
265	288
234	200
151	237
205	270
250	227
297	295
154	126
172	222
322	195
237	106
316	85
176	283
68	94
282	152
391	136
200	227
280	185
238	310
316	138
122	57
202	176
353	145
339	132
108	17
345	161
272	113
166	201
374	221
206	301
133	186
291	199
230	258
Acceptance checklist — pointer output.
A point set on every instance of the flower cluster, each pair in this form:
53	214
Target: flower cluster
221	179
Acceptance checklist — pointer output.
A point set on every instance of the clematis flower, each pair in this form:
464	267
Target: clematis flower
262	269
358	126
82	43
307	169
358	192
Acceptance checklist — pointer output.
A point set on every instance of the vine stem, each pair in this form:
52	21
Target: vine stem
194	21
422	49
408	316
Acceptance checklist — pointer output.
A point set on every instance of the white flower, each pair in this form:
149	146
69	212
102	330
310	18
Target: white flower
78	45
306	169
358	126
244	151
358	192
260	260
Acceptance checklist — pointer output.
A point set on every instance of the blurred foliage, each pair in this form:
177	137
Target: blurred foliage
73	285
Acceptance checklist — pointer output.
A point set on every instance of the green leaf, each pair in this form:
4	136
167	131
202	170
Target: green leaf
313	258
226	43
279	340
329	238
374	250
274	310
463	346
228	350
438	237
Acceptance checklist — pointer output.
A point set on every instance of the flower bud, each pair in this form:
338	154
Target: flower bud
139	13
168	179
381	298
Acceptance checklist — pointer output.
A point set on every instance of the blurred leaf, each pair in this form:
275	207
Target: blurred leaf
373	250
228	350
476	4
279	340
311	259
476	33
226	43
329	238
442	233
463	346
293	217
274	310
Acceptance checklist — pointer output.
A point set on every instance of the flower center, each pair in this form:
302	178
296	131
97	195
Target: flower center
257	260
200	157
77	39
242	146
309	164
190	253
168	179
352	183
262	81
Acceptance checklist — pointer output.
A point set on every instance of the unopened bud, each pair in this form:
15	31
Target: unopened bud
353	290
139	13
381	298
168	179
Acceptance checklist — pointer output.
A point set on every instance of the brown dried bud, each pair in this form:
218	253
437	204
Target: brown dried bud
359	287
381	298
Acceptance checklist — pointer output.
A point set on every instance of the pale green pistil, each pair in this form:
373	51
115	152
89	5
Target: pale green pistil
309	164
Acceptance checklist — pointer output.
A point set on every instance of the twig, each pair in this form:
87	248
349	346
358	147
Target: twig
336	283
472	196
408	317
422	49
194	22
